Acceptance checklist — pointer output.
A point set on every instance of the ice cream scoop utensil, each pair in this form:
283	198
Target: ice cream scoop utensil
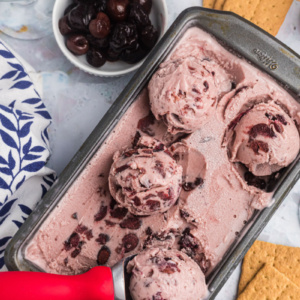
99	283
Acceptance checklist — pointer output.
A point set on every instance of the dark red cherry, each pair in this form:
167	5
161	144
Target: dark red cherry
78	44
124	36
64	26
149	36
98	43
146	5
132	56
138	16
100	27
95	58
111	55
117	9
80	16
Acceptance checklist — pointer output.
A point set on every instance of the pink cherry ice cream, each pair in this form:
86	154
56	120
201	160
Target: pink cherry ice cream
264	138
146	179
174	173
184	93
165	274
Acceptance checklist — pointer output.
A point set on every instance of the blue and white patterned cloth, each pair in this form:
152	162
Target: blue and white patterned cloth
24	147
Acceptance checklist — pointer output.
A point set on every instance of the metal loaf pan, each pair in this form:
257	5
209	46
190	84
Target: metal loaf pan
260	49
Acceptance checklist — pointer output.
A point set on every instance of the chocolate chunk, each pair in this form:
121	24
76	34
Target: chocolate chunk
113	203
102	239
206	86
149	231
187	241
181	94
130	241
195	90
159	148
66	260
131	223
103	256
75	216
189	186
101	214
273	180
73	241
270	116
158	296
184	214
119	212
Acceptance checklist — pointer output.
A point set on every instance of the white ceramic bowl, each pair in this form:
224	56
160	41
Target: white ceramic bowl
158	16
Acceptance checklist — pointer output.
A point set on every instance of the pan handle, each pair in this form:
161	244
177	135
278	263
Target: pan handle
96	284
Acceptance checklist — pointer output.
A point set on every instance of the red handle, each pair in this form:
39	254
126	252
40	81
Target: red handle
96	284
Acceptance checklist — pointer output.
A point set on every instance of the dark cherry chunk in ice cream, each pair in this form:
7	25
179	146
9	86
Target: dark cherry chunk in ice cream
103	255
262	129
102	239
130	242
131	222
101	213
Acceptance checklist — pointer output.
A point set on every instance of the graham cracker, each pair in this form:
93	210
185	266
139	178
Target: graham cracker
208	3
285	259
267	14
244	8
219	4
270	284
270	15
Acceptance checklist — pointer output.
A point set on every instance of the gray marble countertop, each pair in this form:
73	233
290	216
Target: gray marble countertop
77	101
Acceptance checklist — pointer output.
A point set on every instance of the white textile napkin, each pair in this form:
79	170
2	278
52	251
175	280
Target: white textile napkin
24	147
